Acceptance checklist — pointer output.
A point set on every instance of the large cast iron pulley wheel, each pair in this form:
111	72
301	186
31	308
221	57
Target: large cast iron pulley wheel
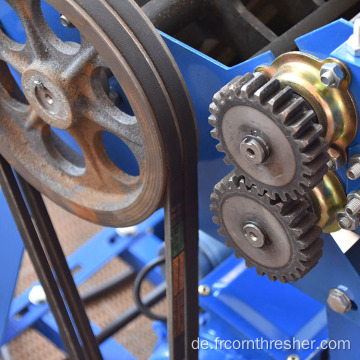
64	88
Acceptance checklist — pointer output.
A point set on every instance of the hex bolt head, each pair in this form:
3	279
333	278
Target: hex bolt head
65	21
204	290
37	295
331	75
346	222
338	301
254	235
254	149
293	357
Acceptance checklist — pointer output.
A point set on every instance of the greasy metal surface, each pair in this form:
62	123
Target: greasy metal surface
292	238
66	88
251	105
334	107
327	199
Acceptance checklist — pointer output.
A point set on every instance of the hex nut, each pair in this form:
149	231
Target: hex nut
335	161
338	301
346	222
331	75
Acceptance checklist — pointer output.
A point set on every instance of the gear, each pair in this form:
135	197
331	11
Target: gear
270	135
278	238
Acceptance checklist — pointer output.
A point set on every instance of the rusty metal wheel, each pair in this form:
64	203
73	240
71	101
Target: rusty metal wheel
65	87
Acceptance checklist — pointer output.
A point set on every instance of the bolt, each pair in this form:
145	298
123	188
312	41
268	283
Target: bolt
293	357
204	290
354	172
37	295
331	75
65	21
352	208
254	149
254	235
338	301
346	222
353	43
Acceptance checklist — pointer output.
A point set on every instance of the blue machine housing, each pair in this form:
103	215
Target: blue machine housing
241	305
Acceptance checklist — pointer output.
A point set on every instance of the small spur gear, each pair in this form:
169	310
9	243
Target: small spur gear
270	135
280	239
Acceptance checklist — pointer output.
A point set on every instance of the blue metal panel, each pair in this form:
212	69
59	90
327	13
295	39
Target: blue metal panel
243	306
321	42
11	251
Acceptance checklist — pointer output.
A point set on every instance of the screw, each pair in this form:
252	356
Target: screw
354	172
37	295
346	222
293	357
65	21
254	235
204	290
353	43
338	301
331	75
353	207
254	149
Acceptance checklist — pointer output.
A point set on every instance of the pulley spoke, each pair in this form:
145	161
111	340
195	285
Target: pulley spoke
13	53
86	60
99	168
122	125
37	30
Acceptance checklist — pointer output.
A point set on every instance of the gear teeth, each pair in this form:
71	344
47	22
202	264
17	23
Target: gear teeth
312	134
234	86
302	123
314	169
317	148
212	120
266	91
277	102
251	86
304	225
289	113
294	211
294	216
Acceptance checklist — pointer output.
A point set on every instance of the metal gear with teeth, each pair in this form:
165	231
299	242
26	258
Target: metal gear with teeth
280	239
270	135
